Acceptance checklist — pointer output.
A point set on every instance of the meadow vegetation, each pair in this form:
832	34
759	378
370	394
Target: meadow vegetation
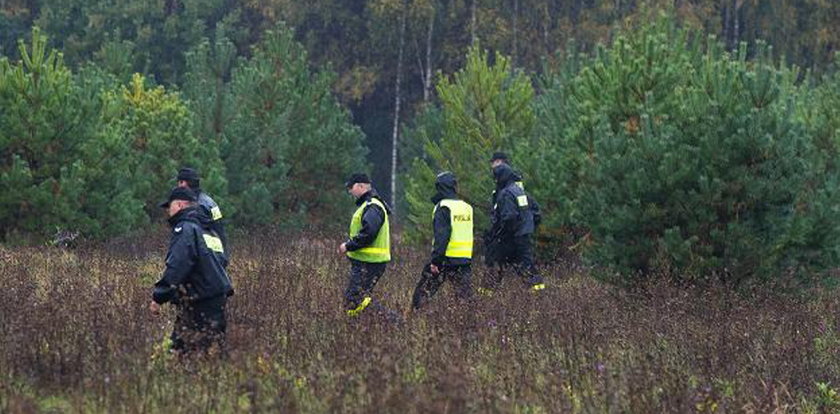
76	336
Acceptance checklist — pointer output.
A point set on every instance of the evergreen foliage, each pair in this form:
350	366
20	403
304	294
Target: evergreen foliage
288	139
548	184
669	152
86	154
679	156
157	127
486	107
146	37
44	122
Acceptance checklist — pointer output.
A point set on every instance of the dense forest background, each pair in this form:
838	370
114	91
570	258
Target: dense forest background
696	138
383	50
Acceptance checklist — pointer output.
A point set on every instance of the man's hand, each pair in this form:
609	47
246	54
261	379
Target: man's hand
435	270
154	308
343	248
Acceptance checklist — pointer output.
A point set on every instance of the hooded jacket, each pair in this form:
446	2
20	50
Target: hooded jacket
214	214
535	207
372	219
445	187
512	213
194	263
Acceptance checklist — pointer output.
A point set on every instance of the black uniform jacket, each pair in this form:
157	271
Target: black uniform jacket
513	215
208	204
194	272
535	207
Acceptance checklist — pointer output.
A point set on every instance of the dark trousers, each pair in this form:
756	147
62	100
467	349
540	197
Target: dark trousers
458	275
363	277
200	325
515	254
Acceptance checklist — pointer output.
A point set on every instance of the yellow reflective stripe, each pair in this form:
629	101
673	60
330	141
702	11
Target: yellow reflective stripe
459	249
522	200
213	243
374	250
365	302
216	213
459	254
539	286
467	250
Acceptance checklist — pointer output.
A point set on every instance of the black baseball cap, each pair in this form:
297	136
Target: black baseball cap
499	156
179	193
357	178
187	174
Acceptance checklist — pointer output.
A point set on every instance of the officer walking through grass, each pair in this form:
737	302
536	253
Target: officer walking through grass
452	247
369	245
498	159
512	226
194	280
189	178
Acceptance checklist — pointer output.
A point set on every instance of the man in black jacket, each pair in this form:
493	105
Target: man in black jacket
189	178
369	245
501	158
195	279
452	246
511	230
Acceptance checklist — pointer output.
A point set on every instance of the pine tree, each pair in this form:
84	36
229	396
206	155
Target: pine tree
486	107
44	122
157	127
289	141
684	158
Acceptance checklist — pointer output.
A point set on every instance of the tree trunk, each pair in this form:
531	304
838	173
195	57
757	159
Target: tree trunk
727	22
427	82
515	40
397	98
736	23
473	21
218	109
547	21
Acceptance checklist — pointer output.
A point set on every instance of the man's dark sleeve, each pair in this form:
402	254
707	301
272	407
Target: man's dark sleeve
372	219
180	260
535	210
508	214
443	230
219	228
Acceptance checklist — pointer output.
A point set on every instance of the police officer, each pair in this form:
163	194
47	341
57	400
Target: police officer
511	231
195	279
188	178
369	246
498	158
452	246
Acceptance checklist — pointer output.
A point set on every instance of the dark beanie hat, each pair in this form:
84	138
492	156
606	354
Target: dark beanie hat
187	174
499	156
357	178
179	193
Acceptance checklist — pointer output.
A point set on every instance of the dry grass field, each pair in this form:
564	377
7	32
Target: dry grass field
76	336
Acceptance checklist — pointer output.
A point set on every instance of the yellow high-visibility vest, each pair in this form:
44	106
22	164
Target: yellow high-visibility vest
380	250
461	219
